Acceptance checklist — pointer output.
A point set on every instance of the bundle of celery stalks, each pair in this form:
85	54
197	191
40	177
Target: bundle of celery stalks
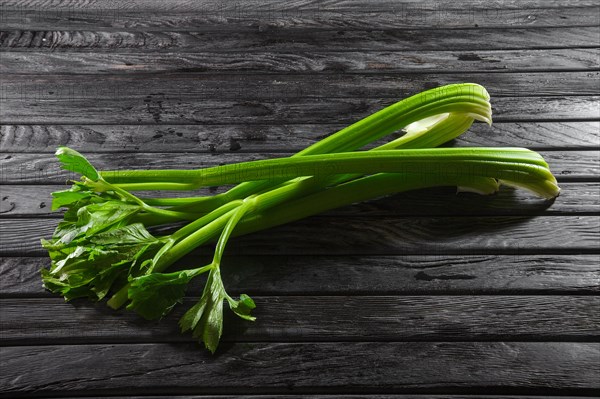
104	244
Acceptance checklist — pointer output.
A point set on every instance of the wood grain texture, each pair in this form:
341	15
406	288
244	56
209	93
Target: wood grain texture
263	15
371	39
376	236
575	198
44	169
268	138
420	295
417	367
158	107
48	321
168	89
282	275
313	61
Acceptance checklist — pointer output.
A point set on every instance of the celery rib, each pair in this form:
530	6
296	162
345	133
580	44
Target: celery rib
455	160
103	244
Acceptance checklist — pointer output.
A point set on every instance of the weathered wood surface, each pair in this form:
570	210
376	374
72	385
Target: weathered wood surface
330	396
390	235
434	367
33	89
516	274
314	61
319	318
575	198
262	15
467	40
412	296
43	168
158	107
268	138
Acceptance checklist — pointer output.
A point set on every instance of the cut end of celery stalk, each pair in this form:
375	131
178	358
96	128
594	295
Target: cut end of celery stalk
482	118
547	189
118	299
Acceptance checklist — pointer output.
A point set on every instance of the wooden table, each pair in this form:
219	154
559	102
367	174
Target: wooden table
418	294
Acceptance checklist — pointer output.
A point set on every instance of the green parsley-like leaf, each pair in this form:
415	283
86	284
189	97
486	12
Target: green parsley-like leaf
74	275
68	197
86	268
243	307
73	161
154	295
205	318
132	233
94	218
98	217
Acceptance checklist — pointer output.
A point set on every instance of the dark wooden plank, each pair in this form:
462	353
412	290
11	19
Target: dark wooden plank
44	168
364	275
170	89
156	108
371	39
267	138
416	367
33	62
533	135
261	30
43	321
391	235
330	396
376	236
575	198
262	15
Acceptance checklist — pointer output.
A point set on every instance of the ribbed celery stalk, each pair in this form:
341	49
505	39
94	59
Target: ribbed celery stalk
101	244
428	133
402	170
510	164
410	169
467	99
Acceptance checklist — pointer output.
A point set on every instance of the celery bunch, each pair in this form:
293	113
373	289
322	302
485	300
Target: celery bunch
104	245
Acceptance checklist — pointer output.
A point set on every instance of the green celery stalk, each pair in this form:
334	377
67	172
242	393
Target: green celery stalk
506	163
467	98
428	133
418	168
